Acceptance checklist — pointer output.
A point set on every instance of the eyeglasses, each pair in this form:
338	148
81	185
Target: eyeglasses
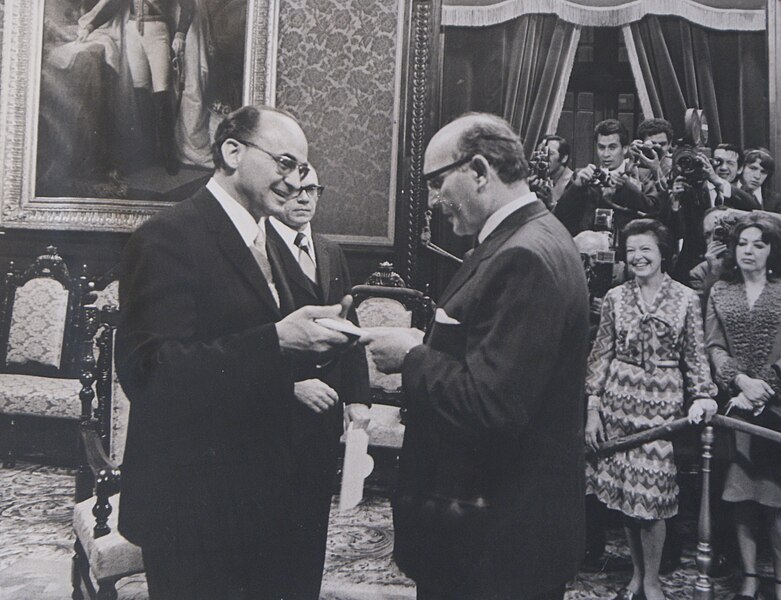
436	178
313	191
285	164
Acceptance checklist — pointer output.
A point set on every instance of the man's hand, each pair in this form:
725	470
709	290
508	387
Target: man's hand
178	45
358	415
83	33
622	180
652	164
582	177
715	254
710	174
316	395
298	331
389	345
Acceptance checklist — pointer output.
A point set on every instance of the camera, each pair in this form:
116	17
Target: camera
686	159
600	179
721	232
599	272
648	149
603	219
540	163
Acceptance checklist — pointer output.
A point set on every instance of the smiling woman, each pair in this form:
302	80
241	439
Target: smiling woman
649	327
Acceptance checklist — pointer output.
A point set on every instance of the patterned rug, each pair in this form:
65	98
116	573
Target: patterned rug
36	549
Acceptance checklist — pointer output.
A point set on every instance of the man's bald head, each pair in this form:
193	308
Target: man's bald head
489	136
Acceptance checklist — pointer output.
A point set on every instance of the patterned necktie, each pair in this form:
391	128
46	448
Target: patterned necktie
258	250
305	257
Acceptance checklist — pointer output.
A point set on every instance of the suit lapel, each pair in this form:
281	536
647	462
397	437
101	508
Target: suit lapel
492	243
232	246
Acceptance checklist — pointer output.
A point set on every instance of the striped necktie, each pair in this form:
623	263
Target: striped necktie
305	259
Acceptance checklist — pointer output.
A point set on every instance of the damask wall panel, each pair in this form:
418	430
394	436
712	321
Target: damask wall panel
337	72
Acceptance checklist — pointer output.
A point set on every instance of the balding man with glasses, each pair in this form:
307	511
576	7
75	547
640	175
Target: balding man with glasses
206	355
491	473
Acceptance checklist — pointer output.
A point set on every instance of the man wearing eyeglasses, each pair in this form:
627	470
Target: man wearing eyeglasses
491	474
206	355
315	271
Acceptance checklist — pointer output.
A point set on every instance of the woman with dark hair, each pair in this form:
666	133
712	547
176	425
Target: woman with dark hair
755	175
743	332
649	349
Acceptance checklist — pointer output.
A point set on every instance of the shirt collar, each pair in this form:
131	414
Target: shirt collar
244	222
288	234
502	213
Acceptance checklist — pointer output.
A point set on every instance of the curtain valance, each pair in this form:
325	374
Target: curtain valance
725	15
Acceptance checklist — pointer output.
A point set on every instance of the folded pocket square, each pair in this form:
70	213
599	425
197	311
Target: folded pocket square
440	316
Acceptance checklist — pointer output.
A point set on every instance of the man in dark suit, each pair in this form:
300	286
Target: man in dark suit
314	271
491	479
204	355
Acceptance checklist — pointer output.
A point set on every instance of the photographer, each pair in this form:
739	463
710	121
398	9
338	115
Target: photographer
607	186
650	154
729	159
696	187
715	227
551	177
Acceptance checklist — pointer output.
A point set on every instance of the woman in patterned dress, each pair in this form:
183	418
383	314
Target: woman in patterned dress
650	326
743	331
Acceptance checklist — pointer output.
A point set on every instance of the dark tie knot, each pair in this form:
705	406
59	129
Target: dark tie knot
301	242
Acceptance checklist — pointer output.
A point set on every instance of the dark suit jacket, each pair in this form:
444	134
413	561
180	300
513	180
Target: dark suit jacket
491	480
207	461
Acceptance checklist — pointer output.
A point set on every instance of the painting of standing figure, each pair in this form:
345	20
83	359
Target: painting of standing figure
130	92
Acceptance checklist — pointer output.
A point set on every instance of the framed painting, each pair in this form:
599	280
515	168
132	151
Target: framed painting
107	106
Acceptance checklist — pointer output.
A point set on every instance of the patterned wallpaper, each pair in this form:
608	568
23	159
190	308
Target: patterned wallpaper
336	73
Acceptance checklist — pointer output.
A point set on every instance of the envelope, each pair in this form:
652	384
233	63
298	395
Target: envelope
440	316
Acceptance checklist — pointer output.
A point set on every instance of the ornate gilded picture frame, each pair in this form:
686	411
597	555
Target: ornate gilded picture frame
92	142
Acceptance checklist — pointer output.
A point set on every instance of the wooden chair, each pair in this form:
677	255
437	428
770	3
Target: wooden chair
101	555
385	301
42	337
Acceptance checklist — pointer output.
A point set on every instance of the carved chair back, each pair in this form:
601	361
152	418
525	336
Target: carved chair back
40	319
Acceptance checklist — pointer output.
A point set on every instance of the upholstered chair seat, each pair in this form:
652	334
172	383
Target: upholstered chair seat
111	556
40	396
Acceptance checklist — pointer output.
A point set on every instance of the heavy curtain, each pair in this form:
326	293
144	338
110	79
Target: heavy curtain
518	69
514	58
679	65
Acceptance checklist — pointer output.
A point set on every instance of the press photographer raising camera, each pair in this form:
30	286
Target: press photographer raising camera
650	153
695	187
608	185
557	153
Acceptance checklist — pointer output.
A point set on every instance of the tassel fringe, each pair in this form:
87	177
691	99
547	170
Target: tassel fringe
725	19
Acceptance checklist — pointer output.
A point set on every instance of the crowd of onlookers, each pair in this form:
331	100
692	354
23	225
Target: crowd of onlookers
682	255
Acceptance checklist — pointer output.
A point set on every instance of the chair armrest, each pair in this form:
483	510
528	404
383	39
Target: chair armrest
107	477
